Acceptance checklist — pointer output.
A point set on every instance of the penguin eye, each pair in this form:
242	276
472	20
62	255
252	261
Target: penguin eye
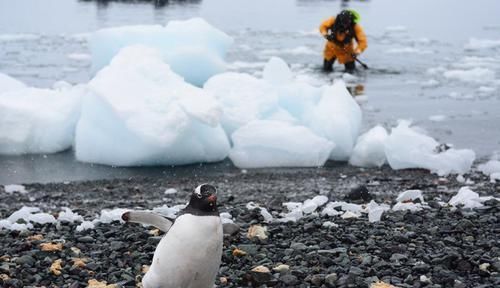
198	195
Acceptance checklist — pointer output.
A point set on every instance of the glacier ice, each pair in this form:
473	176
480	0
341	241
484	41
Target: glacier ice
408	148
193	48
139	112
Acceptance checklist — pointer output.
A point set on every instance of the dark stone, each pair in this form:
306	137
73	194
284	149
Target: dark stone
359	194
230	229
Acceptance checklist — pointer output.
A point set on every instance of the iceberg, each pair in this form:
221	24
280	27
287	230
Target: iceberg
34	120
336	117
369	150
408	148
193	48
139	112
267	143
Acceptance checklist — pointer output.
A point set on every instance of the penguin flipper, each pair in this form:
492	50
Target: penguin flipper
148	218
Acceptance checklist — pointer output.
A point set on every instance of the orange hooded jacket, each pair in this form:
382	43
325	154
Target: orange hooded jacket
343	53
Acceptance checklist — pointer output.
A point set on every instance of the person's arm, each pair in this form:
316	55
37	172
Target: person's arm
323	28
360	39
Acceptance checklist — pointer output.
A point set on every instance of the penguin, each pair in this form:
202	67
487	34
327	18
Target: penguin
189	255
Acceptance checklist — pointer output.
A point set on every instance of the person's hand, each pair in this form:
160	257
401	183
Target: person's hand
357	52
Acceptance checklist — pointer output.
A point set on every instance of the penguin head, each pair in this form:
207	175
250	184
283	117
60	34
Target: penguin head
204	198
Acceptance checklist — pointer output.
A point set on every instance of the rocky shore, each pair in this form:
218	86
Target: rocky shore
439	246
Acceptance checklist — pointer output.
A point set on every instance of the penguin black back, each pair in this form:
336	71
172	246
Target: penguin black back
203	202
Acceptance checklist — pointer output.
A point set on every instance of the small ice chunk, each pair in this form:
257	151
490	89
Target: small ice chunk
226	217
69	216
410	195
349	215
467	198
15	188
108	216
407	206
330	210
23	213
309	206
329	224
475	75
267	216
370	148
170	191
437	118
478	44
251	206
406	147
42	218
320	200
85	225
460	178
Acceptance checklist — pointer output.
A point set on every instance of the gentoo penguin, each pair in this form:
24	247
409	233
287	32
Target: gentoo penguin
189	255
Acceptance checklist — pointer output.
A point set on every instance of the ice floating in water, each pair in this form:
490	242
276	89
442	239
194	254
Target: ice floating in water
477	44
475	75
468	198
142	113
267	143
193	48
407	148
437	118
34	120
369	150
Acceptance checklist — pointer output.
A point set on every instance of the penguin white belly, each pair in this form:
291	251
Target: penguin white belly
189	255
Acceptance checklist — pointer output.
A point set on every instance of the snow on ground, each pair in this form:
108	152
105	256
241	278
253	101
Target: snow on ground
139	112
406	147
193	48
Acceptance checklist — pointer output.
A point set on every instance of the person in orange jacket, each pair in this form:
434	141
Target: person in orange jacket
341	32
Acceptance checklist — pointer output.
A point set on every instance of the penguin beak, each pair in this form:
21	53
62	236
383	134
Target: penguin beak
212	198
